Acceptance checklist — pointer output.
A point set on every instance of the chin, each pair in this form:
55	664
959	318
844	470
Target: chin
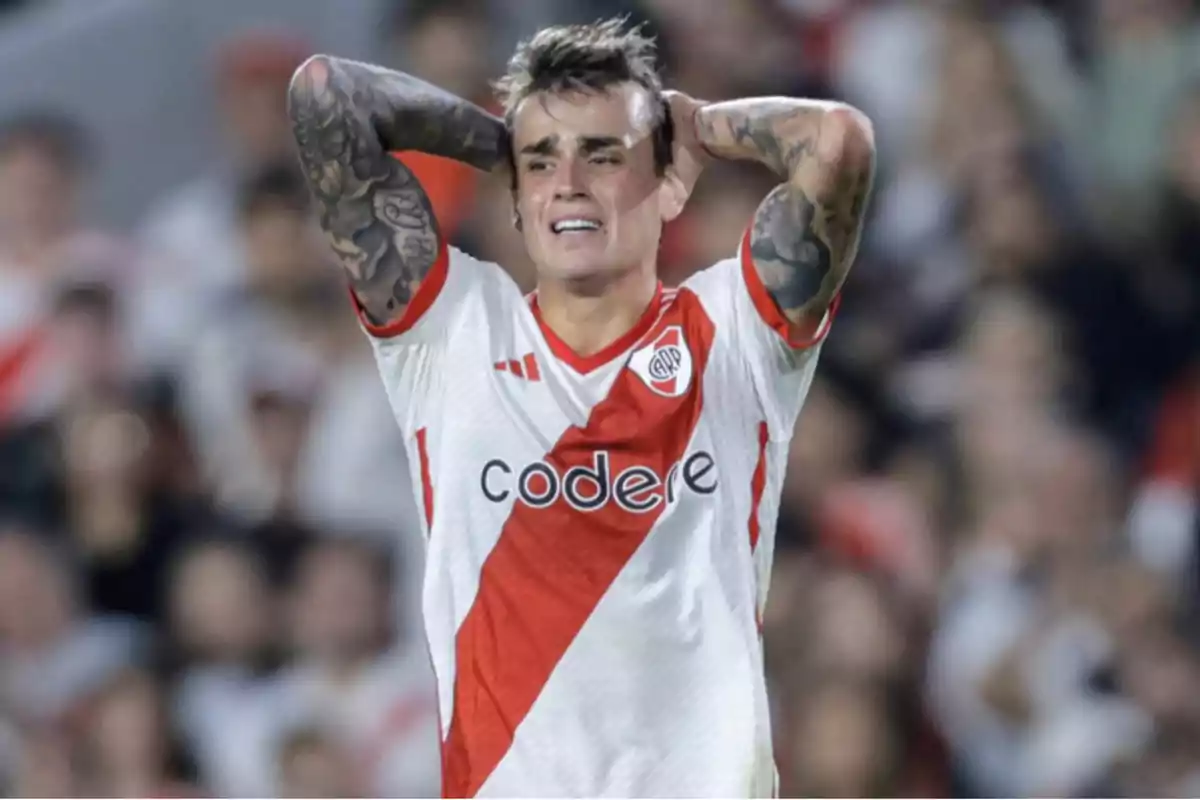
573	266
582	276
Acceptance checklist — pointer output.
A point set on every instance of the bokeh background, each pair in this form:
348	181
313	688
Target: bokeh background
986	578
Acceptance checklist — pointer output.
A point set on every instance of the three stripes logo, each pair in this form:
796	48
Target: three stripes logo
526	368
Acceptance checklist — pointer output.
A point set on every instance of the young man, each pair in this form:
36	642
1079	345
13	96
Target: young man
599	464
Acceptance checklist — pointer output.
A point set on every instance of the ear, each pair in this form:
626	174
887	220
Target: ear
672	195
516	209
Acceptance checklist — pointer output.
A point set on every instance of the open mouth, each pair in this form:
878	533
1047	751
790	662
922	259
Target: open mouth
575	225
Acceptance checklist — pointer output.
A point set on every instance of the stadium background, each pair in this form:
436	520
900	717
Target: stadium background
986	579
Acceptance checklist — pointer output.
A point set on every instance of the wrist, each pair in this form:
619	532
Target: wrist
705	124
698	133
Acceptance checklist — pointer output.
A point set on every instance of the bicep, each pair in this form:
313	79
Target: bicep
387	240
805	234
791	258
764	369
377	217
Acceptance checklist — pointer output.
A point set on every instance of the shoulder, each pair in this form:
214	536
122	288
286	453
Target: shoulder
478	290
482	270
732	292
710	282
716	290
462	295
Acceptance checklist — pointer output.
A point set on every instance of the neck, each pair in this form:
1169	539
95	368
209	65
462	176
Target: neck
588	319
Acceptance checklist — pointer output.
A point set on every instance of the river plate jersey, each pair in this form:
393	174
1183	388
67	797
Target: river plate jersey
599	531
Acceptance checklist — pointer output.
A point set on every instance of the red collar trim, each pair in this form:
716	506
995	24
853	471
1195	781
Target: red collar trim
585	364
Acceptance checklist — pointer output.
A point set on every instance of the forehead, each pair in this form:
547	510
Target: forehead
624	111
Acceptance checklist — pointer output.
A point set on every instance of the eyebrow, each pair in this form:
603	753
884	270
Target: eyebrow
590	144
542	147
587	145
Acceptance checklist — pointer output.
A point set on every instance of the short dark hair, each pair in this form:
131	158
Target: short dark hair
591	57
59	136
275	186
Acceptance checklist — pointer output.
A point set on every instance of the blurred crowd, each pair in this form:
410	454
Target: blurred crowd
987	578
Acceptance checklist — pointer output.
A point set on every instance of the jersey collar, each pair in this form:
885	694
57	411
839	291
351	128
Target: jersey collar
585	364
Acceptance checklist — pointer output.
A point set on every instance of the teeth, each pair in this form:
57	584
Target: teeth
575	225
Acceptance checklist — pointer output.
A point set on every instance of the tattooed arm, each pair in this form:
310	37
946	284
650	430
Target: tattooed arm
805	234
347	117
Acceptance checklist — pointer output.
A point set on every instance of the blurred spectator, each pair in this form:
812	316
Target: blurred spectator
220	606
1144	59
47	766
280	387
128	748
445	42
1019	663
259	339
352	678
280	391
843	745
1164	517
888	55
54	653
223	622
82	333
195	229
720	50
125	523
108	471
1174	277
44	159
987	576
829	447
1109	330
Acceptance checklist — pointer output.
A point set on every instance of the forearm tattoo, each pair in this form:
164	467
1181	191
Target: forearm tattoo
346	118
805	234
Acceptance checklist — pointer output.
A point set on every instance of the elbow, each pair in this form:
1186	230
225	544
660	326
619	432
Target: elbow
848	137
310	79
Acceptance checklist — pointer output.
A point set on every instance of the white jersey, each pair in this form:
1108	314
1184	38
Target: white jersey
600	531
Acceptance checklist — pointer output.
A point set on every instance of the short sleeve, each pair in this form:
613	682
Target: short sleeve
461	304
757	342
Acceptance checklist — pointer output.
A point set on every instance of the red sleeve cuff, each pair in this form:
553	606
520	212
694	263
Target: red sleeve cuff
427	293
797	337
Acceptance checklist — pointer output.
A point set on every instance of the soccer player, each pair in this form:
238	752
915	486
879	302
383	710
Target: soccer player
599	464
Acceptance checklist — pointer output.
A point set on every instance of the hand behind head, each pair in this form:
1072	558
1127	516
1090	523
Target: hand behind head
688	155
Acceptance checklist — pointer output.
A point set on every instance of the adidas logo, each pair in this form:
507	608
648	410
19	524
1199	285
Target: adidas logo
526	368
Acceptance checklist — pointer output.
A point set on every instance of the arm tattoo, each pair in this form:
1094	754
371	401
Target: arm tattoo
346	117
776	131
805	234
792	260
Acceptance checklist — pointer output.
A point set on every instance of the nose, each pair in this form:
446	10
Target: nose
569	180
